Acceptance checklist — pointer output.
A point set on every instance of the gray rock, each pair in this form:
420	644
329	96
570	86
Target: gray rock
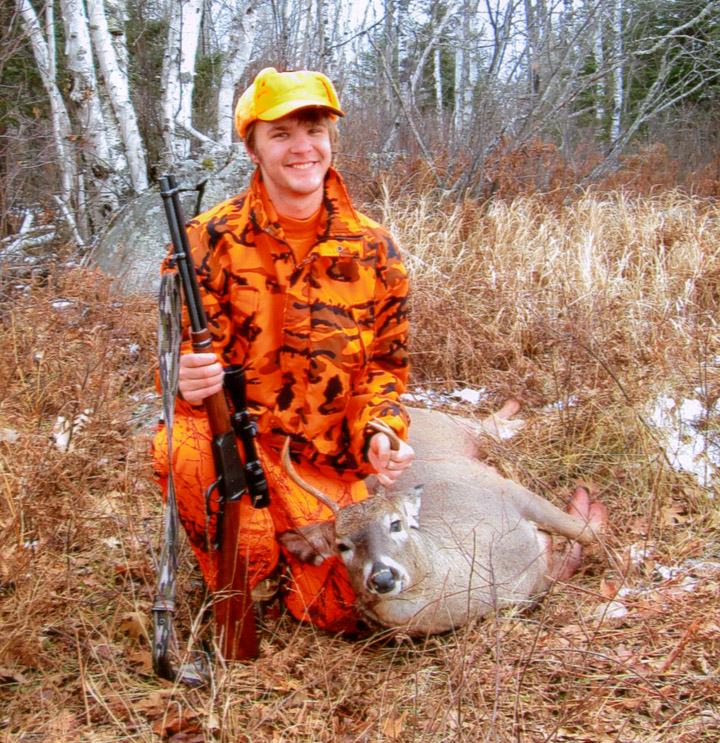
135	243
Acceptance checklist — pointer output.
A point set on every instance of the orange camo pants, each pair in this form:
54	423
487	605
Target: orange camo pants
319	594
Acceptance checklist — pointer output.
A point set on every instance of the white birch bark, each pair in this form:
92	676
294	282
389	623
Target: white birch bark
618	92
239	23
466	71
600	88
118	89
116	14
437	75
44	52
438	29
179	76
84	93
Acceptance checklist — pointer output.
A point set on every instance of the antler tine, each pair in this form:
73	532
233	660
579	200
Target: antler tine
290	469
382	427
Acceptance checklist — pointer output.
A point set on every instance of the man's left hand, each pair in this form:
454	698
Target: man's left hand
388	464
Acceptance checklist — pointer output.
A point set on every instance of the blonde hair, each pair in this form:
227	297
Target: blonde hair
315	115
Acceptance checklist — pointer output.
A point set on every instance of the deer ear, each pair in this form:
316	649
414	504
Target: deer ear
412	500
311	544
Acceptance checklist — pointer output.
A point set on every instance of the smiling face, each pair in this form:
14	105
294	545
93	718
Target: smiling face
294	154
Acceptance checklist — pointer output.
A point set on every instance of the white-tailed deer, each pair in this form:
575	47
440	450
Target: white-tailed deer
473	542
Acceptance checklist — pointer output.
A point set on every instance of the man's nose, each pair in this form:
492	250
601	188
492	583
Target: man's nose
301	142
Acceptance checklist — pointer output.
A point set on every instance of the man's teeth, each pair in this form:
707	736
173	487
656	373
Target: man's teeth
302	166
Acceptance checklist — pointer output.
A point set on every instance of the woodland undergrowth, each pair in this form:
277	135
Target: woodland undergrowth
585	312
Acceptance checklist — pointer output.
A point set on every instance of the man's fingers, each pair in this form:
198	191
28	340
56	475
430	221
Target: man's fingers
383	450
201	366
200	376
197	359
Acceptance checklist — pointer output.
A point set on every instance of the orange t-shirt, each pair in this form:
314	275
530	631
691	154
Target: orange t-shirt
300	234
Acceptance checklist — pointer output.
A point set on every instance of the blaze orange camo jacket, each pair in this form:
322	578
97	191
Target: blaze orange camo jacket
324	342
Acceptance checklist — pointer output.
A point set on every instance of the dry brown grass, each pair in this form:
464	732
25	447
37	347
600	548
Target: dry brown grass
600	306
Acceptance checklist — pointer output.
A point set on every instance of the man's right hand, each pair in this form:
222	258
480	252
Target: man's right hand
200	376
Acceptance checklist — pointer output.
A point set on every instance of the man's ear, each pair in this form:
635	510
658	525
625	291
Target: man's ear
311	544
251	154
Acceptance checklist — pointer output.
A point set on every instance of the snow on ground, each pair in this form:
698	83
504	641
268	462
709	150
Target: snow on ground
690	445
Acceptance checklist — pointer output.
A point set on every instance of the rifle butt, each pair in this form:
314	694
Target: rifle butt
234	612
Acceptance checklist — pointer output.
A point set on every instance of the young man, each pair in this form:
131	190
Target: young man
309	296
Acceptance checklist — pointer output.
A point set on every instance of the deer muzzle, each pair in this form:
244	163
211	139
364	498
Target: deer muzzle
384	579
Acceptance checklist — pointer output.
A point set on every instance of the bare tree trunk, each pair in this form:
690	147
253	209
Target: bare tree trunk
179	75
437	76
44	52
618	92
466	70
118	89
600	88
84	93
236	33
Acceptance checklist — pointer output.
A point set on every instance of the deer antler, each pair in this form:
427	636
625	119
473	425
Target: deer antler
382	427
311	489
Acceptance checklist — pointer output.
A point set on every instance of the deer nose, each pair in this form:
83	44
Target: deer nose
382	579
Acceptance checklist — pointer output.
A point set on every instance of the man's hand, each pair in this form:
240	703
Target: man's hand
200	375
388	464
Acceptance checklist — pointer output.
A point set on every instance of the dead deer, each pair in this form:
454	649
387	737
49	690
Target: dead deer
474	541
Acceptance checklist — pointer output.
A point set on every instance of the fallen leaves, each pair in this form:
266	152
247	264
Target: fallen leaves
8	676
135	625
172	718
394	724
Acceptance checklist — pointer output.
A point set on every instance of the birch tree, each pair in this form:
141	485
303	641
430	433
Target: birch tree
616	14
117	86
178	77
600	91
44	51
99	183
466	70
234	28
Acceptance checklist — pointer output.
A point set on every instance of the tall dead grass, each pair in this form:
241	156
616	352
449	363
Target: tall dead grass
585	313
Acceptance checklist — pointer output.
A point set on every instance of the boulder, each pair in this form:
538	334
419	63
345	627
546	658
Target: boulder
134	244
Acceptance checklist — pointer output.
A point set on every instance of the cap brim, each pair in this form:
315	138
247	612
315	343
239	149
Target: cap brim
283	109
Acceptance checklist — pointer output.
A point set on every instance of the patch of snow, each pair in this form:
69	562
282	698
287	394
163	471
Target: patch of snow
63	430
571	402
468	395
688	447
430	398
610	610
638	553
61	304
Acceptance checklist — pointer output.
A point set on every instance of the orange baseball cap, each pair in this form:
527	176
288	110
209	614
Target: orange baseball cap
274	94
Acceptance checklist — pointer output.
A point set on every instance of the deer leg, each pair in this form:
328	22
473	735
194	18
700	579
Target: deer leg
580	507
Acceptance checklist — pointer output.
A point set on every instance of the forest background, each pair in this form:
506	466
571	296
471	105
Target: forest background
550	171
483	98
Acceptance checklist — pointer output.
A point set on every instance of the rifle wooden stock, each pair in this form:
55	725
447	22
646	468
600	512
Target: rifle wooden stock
233	606
234	614
235	630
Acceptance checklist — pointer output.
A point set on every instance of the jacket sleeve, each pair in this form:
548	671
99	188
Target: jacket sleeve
377	393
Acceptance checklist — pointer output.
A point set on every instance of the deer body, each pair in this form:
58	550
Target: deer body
432	557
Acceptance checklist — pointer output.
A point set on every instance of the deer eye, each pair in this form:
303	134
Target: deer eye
396	525
343	546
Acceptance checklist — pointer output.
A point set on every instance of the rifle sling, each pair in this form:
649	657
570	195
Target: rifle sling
169	340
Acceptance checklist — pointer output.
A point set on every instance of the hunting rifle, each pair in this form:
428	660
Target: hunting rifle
233	606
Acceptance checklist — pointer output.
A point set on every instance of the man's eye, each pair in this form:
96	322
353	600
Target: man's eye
396	526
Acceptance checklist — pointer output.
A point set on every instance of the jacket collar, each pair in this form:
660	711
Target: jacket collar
338	218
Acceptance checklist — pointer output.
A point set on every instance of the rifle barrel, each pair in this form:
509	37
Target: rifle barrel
234	616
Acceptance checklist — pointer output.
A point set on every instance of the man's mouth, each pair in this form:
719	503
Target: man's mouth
301	166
